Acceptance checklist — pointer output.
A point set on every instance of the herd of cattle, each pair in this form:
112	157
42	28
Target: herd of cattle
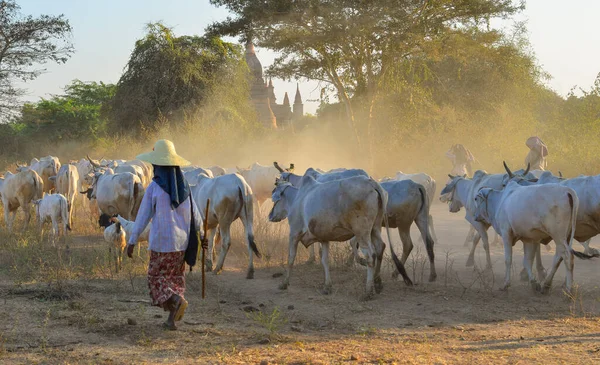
339	205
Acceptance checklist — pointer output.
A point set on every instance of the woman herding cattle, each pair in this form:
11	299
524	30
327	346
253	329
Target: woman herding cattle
538	151
168	203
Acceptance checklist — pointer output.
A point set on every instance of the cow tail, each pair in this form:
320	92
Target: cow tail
383	200
424	213
64	212
574	203
247	201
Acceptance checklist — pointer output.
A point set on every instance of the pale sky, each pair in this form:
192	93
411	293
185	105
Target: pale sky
563	34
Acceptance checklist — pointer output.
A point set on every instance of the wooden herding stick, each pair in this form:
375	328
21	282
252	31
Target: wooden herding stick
204	240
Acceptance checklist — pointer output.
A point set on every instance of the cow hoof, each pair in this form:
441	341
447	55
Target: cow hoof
535	286
283	286
470	262
363	262
326	290
504	288
432	277
367	296
523	275
250	274
395	274
544	289
217	271
378	286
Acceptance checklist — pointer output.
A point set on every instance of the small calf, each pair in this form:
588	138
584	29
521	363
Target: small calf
53	207
116	237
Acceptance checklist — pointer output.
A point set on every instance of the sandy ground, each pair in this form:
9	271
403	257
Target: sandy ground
460	318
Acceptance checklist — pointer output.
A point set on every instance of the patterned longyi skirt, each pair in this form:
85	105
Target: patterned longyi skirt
166	276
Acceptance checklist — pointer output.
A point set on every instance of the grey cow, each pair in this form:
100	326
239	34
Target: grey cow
335	211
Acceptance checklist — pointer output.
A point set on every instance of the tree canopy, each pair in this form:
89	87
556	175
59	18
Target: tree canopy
167	76
26	42
354	45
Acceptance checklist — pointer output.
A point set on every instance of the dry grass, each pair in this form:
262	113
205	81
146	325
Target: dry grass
69	306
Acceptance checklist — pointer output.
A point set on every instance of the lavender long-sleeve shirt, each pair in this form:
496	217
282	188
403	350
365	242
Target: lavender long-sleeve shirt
170	227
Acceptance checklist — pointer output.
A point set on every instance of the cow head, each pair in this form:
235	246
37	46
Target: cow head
481	206
279	211
106	220
92	181
21	168
448	194
517	176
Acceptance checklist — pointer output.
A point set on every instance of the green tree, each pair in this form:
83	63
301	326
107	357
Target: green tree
78	114
353	45
25	43
168	77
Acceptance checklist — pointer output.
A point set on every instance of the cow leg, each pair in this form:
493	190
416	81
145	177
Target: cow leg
407	246
541	272
55	231
471	258
429	243
482	231
27	211
470	236
508	246
293	249
380	248
529	249
312	257
355	254
211	247
431	230
325	262
371	263
225	244
7	218
558	257
589	250
569	258
250	272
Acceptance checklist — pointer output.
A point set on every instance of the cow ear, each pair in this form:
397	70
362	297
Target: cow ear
52	178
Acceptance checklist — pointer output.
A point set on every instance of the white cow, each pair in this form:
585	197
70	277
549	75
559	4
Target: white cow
230	198
588	191
116	193
54	208
193	175
335	211
532	214
217	171
67	184
461	192
116	238
45	167
430	186
331	175
19	190
147	171
261	179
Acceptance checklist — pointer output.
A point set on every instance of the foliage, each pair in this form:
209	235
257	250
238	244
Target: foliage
168	77
354	45
26	41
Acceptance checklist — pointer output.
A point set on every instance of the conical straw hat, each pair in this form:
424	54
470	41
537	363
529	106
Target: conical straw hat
163	154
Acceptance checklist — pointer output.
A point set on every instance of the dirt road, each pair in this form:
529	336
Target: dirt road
461	318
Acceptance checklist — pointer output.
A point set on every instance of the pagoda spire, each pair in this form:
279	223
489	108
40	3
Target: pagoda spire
298	97
286	99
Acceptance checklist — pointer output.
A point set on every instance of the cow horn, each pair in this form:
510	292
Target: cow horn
450	176
560	174
527	170
291	169
92	162
278	167
510	174
83	192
